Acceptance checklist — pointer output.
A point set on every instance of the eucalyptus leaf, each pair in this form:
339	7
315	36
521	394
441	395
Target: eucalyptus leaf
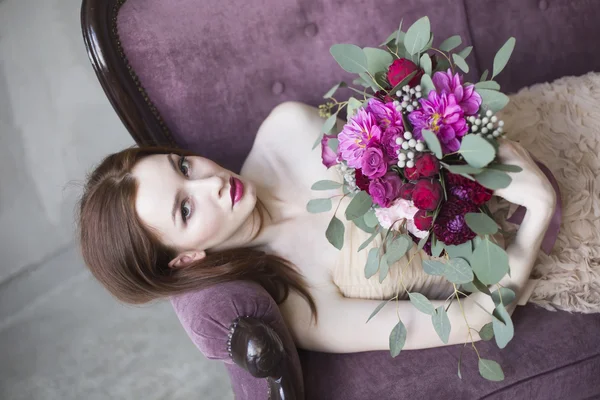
389	38
469	287
484	75
464	250
481	223
333	144
350	57
335	233
505	167
397	339
490	370
462	169
493	179
464	53
503	295
428	45
397	248
359	205
353	105
492	85
425	63
400	34
489	262
481	287
377	59
441	323
502	56
422	242
432	267
486	332
384	268
417	36
372	264
332	91
316	206
460	63
362	225
451	43
378	308
381	78
436	247
458	270
477	151
326	185
426	85
421	303
504	329
493	99
369	240
360	81
318	141
367	78
433	143
329	123
371	219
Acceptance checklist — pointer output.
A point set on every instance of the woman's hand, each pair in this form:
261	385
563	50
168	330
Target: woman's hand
530	187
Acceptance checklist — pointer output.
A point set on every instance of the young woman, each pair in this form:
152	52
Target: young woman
159	222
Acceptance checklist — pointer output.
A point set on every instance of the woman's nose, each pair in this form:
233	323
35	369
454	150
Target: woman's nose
213	184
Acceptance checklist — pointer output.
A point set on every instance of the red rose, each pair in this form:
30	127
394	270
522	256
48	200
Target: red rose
406	191
427	194
361	181
423	221
412	174
427	165
400	69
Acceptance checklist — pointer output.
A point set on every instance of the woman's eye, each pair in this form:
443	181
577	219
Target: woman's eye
186	210
184	166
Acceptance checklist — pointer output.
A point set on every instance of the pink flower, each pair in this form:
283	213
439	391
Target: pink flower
361	131
374	164
386	189
328	157
466	96
386	115
399	211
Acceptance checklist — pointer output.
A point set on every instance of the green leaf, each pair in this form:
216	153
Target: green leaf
462	169
502	56
325	185
493	179
490	370
492	85
432	267
421	303
422	242
353	105
460	63
451	43
372	264
399	34
371	219
433	143
464	53
469	287
503	295
384	268
397	339
359	205
389	38
378	308
365	77
486	332
504	329
335	233
350	57
484	75
329	123
426	85
436	247
377	59
481	223
362	225
333	144
360	81
441	323
492	99
505	167
425	63
397	248
381	78
458	270
332	91
316	206
318	141
403	82
417	36
463	250
477	151
481	287
369	240
489	262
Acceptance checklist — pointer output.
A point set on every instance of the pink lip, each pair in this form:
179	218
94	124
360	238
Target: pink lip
236	191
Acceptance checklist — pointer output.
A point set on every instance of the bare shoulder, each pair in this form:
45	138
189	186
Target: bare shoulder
291	120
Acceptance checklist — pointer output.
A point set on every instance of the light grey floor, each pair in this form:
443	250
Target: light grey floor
61	335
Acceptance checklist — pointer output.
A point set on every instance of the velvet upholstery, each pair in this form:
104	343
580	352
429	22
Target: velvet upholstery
214	70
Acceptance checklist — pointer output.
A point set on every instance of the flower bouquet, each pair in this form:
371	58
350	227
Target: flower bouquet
419	159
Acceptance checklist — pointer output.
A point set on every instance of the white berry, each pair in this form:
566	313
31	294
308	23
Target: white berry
477	121
410	163
484	130
471	119
399	140
405	98
474	128
418	88
407	135
420	147
490	125
398	93
495	133
500	130
401	164
490	136
402	156
406	88
412	91
418	95
415	104
489	113
494	119
485	120
405	145
500	123
404	104
410	108
396	103
411	155
412	142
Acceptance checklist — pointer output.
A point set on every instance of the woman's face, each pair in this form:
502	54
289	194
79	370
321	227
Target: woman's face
192	202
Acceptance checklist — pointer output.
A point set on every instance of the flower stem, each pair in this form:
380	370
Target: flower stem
465	317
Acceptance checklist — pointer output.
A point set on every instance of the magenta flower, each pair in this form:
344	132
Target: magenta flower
361	131
328	156
441	114
374	164
386	189
466	96
386	115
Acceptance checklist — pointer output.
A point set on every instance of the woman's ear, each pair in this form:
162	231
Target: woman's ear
186	258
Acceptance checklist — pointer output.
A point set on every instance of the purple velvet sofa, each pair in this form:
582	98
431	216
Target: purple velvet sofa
203	74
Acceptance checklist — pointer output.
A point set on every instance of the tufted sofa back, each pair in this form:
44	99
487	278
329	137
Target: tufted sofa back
214	69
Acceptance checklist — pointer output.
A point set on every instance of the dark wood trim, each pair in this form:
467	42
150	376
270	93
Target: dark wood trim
256	347
118	79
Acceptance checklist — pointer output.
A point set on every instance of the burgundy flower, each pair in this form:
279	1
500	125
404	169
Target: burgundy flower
389	145
467	190
406	191
450	226
328	156
400	69
427	194
384	96
423	221
385	190
361	181
427	165
411	173
374	164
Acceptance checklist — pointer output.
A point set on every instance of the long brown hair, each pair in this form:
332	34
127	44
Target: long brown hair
131	262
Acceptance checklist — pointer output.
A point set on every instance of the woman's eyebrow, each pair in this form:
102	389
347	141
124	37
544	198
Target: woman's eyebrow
176	201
